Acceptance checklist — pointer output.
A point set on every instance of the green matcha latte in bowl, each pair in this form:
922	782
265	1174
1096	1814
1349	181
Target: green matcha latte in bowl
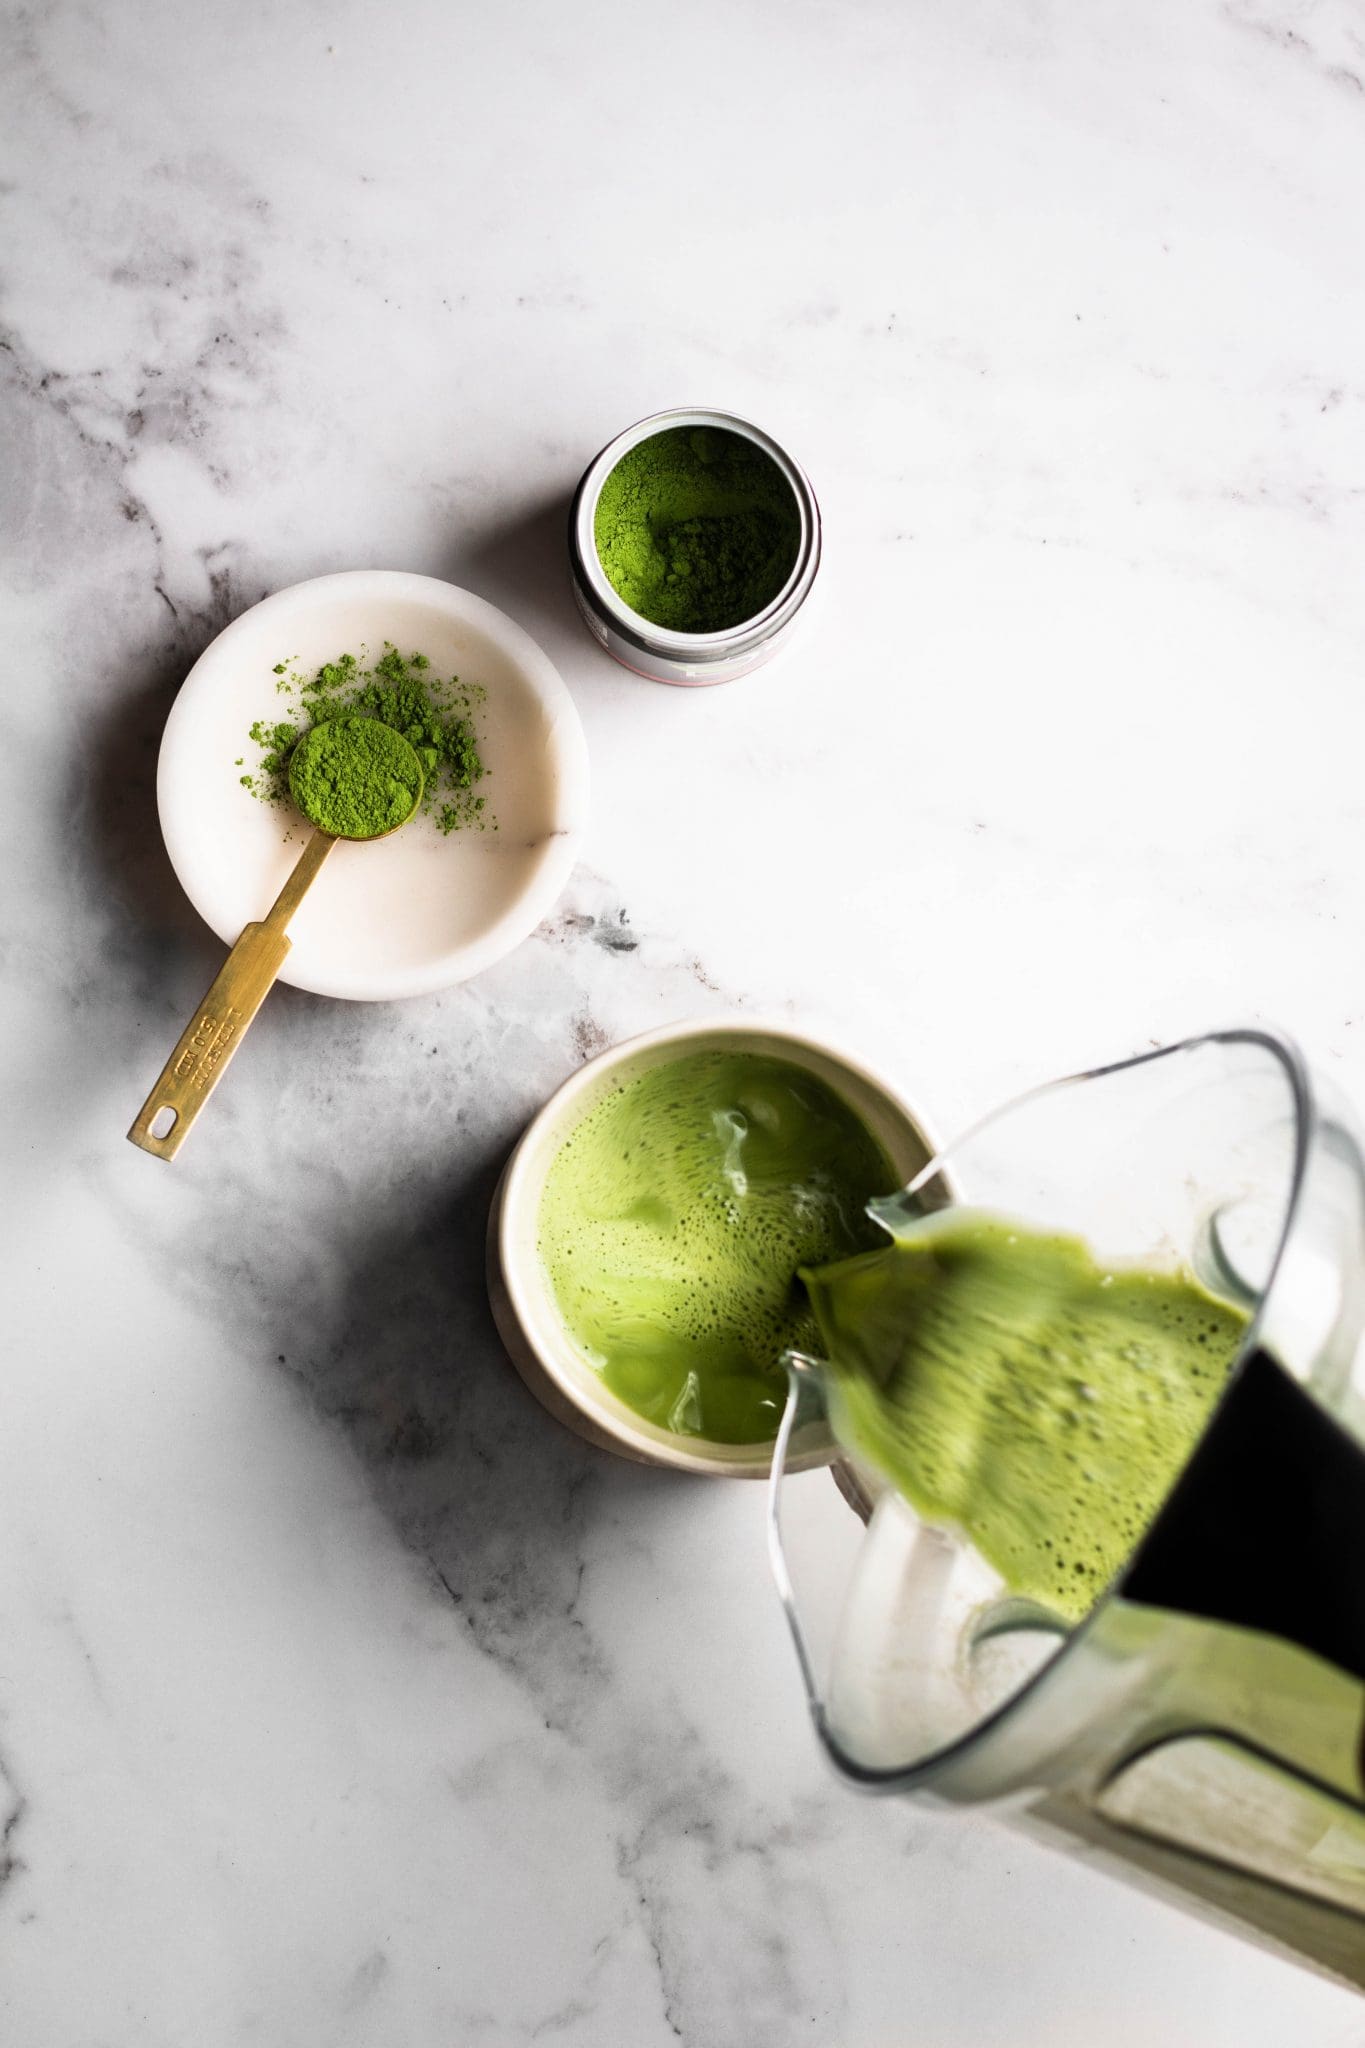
645	1239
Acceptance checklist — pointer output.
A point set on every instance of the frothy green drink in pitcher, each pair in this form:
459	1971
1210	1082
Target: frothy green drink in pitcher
1008	1385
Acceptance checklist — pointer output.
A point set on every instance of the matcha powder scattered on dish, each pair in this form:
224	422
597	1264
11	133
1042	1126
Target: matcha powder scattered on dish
435	715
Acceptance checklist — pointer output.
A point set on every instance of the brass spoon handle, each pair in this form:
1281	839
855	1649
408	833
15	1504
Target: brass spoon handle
218	1026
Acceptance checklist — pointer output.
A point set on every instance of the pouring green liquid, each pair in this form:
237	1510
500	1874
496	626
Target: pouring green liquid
1006	1383
709	1215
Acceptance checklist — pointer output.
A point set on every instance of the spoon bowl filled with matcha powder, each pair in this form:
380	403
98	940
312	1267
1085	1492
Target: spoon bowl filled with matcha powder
356	778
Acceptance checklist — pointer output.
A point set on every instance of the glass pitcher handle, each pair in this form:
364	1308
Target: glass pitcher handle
804	1404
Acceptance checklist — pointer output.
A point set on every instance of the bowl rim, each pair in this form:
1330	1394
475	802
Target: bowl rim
519	1307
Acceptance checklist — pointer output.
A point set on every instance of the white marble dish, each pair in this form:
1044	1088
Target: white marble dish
560	1375
419	910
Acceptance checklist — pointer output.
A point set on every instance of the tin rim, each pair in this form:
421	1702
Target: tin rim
632	625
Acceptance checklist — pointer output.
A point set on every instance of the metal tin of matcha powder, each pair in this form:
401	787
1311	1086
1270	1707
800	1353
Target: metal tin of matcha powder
694	539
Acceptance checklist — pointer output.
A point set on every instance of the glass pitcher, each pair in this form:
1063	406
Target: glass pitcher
1213	1697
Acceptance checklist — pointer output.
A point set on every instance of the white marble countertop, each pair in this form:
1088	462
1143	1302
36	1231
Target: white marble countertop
343	1699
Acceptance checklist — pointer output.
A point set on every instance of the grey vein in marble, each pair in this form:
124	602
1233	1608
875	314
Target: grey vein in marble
343	1699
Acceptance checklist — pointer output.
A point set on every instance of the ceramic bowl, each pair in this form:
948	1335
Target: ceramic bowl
562	1377
408	914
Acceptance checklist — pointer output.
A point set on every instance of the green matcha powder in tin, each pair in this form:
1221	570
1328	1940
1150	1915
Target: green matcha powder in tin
697	529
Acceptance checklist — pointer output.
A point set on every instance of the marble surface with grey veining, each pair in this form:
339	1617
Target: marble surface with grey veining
343	1699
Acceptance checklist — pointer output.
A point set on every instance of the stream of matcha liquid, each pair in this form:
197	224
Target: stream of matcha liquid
1006	1383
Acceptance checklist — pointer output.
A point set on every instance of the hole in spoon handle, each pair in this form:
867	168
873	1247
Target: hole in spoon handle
215	1031
209	1040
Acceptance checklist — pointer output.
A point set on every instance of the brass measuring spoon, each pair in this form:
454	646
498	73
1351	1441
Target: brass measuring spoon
247	976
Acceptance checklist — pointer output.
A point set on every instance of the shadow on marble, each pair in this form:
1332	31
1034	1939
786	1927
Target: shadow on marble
136	955
522	565
113	796
469	1469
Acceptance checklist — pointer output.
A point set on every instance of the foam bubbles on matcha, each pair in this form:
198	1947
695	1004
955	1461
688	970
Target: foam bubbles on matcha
1006	1383
673	1221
